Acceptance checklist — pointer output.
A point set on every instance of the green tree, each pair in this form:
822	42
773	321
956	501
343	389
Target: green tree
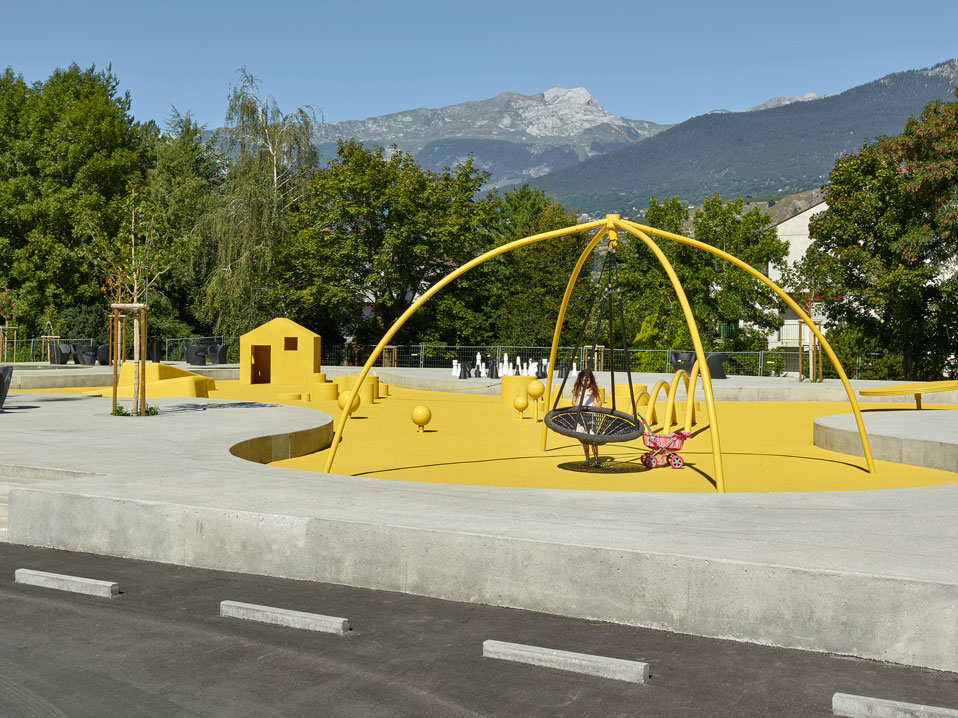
377	232
653	314
68	150
744	309
530	281
926	155
884	249
180	189
730	308
269	159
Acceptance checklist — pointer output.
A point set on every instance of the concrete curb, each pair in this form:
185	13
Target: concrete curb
920	437
16	471
602	666
849	706
284	617
61	582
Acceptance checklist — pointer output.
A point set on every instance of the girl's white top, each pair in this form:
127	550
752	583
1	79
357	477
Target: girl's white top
587	400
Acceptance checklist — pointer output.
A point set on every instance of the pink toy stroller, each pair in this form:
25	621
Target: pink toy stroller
663	448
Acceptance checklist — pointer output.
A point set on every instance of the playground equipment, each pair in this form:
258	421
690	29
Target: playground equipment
520	404
614	223
592	424
279	352
421	416
349	399
535	390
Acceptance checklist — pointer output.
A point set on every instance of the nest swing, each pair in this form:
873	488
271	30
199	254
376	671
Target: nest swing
592	424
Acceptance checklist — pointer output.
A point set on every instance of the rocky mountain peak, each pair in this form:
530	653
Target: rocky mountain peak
576	96
947	69
781	101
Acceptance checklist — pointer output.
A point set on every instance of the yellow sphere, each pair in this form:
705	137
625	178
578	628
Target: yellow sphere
536	389
344	398
421	415
521	403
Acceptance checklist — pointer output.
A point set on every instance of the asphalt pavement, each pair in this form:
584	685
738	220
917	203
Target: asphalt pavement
161	649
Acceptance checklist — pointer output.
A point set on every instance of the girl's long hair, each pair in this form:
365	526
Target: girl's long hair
585	380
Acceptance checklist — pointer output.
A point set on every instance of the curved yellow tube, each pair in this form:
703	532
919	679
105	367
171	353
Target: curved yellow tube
653	397
670	414
561	318
397	325
690	405
696	343
791	303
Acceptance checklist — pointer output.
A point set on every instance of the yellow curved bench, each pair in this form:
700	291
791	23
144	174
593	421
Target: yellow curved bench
919	388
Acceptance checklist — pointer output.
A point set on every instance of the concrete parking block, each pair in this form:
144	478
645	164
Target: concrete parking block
62	582
602	666
851	706
284	617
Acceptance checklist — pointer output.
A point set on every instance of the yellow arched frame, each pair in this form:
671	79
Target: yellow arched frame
387	337
639	229
609	226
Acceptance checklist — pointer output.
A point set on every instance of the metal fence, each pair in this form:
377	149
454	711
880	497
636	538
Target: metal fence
175	347
424	356
773	362
31	350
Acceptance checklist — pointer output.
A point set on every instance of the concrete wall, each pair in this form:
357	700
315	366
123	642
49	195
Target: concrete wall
904	621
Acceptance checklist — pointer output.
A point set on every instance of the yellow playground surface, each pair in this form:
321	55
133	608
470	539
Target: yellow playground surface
479	440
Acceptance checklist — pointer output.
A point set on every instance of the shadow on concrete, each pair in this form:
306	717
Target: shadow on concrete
179	408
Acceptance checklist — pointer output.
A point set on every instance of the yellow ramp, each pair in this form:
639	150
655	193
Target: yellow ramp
165	381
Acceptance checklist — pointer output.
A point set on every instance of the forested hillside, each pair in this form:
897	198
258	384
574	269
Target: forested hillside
759	154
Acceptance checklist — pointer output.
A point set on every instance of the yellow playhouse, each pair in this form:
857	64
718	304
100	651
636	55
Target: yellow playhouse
279	352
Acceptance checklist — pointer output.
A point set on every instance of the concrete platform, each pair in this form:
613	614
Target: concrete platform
33	375
920	437
869	574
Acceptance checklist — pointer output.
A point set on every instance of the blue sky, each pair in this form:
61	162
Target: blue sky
660	61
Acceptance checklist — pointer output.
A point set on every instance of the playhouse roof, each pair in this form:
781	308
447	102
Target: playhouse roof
284	326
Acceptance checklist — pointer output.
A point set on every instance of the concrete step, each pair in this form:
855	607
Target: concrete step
7	483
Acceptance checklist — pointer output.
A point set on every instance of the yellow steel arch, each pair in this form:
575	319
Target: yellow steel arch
397	325
870	463
609	225
636	230
561	318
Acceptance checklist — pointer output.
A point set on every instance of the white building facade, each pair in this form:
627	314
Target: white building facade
794	231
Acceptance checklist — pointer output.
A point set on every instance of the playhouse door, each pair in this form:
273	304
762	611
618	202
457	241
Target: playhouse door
259	367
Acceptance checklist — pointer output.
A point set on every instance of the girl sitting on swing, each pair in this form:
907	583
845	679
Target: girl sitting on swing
585	391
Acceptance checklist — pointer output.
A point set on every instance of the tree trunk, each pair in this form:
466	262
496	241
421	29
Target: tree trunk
136	365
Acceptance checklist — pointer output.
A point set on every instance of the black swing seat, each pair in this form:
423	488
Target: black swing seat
594	425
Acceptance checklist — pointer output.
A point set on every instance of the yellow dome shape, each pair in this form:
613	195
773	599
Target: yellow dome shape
344	400
421	416
521	404
535	389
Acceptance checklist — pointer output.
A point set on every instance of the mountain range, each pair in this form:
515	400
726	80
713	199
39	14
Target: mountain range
565	142
776	151
514	137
